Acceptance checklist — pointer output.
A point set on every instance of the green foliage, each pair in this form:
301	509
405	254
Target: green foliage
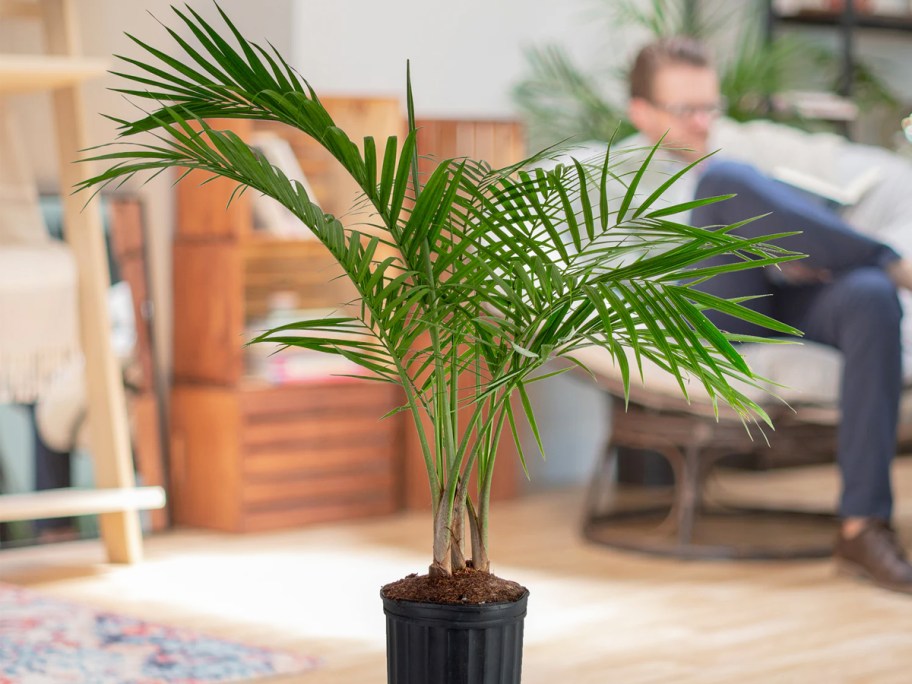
664	17
479	271
558	99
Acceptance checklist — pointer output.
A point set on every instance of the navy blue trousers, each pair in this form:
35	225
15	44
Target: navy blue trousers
52	471
856	311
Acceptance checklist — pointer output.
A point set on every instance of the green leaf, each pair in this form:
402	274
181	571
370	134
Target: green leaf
530	416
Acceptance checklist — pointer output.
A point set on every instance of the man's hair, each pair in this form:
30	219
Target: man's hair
662	53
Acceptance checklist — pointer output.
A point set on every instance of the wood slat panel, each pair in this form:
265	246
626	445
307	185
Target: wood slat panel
310	490
261	520
349	395
509	144
331	429
463	140
500	143
304	268
287	275
376	452
20	9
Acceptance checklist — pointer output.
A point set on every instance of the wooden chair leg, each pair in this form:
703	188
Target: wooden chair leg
688	494
601	481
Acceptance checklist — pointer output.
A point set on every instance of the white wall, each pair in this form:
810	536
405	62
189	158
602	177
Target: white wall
465	54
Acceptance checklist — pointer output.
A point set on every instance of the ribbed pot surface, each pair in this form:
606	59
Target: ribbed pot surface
429	643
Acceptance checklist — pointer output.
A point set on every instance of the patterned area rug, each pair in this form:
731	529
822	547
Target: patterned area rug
47	641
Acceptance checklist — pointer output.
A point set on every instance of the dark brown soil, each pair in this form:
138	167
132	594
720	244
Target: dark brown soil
465	587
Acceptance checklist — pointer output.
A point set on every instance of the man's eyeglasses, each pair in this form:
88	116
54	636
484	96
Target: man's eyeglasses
687	111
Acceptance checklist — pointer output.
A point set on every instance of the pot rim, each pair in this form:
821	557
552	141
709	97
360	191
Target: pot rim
475	614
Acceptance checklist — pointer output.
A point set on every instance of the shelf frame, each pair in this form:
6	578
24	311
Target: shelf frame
68	501
21	74
116	500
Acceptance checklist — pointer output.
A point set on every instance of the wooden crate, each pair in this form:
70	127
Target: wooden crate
286	455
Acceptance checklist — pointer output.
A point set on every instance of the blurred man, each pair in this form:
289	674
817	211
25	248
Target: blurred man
844	294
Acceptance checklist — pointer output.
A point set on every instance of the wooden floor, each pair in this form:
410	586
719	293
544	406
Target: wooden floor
595	615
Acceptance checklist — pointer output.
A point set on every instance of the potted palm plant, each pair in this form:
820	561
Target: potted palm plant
471	271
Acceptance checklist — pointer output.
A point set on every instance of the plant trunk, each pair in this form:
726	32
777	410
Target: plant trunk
480	559
441	566
457	535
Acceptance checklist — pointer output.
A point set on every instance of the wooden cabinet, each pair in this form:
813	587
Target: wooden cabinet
258	457
246	454
249	455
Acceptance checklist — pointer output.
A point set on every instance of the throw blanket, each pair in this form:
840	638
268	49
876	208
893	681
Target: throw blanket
38	283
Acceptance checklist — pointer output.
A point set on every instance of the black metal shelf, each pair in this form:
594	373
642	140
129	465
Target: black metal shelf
846	22
858	20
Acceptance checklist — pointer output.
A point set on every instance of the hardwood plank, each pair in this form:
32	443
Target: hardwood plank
302	268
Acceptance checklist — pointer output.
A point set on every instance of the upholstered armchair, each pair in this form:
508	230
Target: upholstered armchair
801	396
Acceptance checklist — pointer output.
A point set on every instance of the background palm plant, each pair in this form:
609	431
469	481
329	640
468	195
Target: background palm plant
472	270
558	99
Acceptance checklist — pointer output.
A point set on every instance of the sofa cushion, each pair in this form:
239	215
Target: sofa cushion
793	374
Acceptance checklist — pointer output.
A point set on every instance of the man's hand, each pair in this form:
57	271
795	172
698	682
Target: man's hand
900	272
796	273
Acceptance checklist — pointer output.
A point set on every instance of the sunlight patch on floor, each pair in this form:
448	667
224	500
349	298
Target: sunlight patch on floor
319	593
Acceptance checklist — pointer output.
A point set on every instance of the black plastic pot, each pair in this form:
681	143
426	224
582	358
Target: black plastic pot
429	643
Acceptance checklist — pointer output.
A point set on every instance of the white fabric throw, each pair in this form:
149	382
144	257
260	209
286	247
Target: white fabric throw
39	333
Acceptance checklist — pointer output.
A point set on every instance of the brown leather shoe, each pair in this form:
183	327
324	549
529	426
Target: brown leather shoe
875	554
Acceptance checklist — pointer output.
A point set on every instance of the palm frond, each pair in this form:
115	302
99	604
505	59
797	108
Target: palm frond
469	270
